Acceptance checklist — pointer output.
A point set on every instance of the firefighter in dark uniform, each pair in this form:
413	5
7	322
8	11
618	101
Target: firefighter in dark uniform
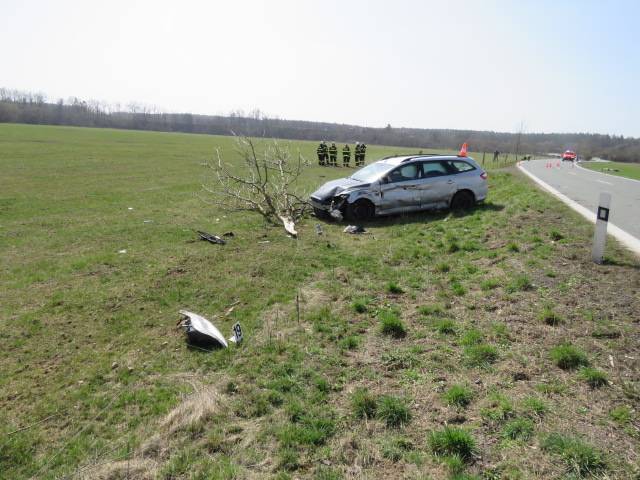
356	154
363	151
322	154
333	155
346	155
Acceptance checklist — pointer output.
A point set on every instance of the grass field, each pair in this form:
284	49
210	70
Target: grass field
484	345
629	170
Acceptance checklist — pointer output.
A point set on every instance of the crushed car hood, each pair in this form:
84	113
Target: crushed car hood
335	187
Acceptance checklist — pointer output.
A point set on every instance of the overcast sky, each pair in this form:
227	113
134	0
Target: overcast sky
556	66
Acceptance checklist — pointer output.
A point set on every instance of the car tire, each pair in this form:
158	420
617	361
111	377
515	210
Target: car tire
360	210
463	200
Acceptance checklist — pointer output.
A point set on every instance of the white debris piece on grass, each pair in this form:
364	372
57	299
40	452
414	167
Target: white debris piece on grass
289	226
130	208
201	330
122	251
354	229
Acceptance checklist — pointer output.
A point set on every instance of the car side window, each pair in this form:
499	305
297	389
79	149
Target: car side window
433	169
459	166
404	173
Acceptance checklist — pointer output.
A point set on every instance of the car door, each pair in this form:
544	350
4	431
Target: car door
400	189
438	184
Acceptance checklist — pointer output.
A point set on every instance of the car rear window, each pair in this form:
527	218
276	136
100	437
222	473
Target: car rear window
461	166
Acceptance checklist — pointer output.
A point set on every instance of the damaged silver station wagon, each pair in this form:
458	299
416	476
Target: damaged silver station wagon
403	184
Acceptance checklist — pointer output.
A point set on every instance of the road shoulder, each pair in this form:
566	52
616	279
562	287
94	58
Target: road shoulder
628	240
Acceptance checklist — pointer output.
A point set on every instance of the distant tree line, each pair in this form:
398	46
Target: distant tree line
35	108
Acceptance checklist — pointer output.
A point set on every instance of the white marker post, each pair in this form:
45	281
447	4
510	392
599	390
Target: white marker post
600	234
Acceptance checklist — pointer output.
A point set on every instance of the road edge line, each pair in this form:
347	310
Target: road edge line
607	174
628	240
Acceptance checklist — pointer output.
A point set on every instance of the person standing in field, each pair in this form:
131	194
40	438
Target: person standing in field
356	154
346	155
333	155
496	154
360	156
323	156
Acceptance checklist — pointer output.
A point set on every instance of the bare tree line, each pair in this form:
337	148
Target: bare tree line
34	108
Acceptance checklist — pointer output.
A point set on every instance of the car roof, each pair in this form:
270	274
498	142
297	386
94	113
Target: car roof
397	160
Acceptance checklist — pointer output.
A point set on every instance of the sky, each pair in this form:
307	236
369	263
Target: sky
538	65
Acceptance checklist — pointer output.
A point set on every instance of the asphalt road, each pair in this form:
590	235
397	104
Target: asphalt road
584	186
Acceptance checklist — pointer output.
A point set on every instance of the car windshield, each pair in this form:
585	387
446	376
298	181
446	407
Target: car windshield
371	172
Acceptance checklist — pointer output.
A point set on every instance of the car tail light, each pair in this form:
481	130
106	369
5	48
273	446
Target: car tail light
484	175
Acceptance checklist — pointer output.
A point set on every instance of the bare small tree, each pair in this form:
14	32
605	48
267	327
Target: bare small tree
265	182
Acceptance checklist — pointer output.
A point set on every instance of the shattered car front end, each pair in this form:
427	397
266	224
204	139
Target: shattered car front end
332	197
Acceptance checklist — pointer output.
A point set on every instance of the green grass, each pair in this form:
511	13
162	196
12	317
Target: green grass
629	170
458	395
567	356
580	458
452	441
445	326
518	429
480	355
363	404
534	406
550	317
391	324
393	411
288	399
593	377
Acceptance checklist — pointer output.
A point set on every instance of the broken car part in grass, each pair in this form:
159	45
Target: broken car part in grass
202	333
211	238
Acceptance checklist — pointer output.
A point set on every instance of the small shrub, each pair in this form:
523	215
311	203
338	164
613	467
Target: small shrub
621	414
391	324
581	458
480	355
459	395
445	326
513	247
452	441
363	403
393	411
555	235
535	406
393	287
518	429
594	377
548	316
568	357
